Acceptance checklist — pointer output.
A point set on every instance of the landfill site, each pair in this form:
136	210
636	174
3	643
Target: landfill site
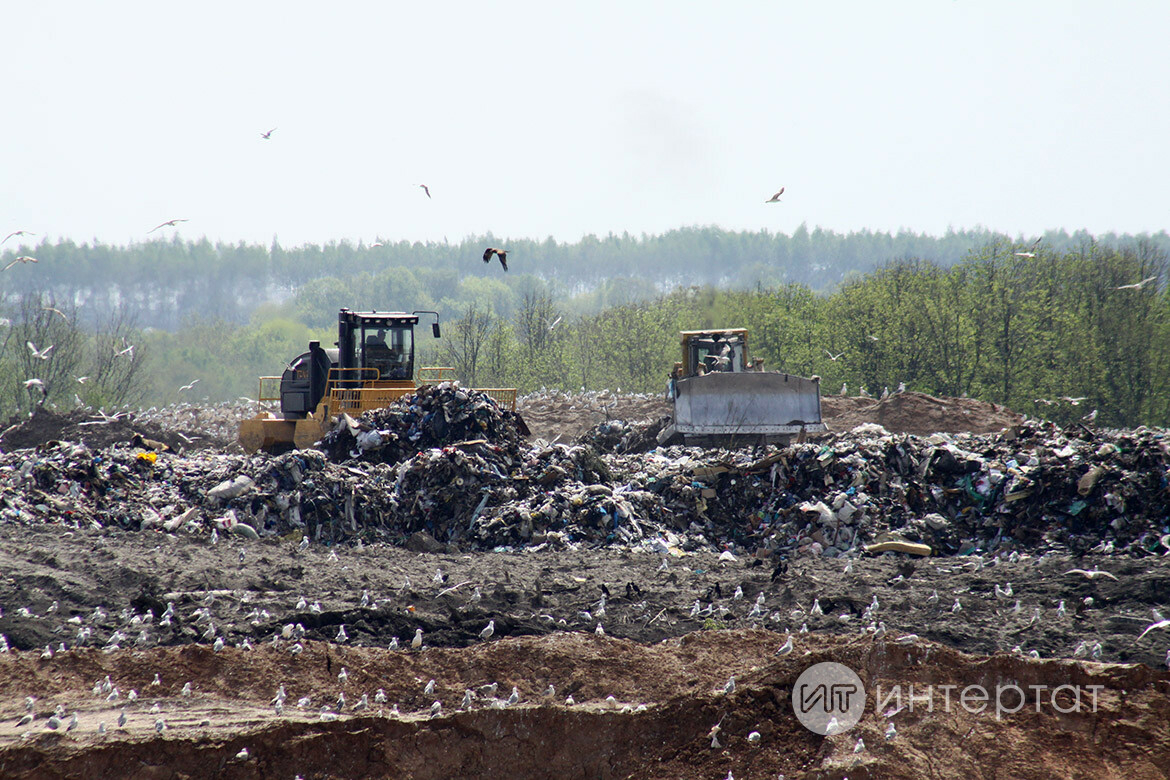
431	592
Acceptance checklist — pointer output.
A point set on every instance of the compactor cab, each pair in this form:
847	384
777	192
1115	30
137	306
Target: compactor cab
370	365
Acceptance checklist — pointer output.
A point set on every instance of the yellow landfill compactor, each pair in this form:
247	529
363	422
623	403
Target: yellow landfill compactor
370	366
723	398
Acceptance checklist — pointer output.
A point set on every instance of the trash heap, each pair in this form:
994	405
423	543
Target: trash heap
433	416
622	436
470	482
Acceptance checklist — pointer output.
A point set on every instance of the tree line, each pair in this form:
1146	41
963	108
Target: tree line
167	283
1028	329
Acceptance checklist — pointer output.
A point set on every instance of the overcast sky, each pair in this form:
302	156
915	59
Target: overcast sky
535	120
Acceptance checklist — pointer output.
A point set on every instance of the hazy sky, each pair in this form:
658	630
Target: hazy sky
536	119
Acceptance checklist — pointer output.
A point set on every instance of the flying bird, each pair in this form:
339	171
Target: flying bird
426	189
1137	285
833	357
1024	254
21	259
1093	574
1154	627
17	233
188	387
42	354
268	135
168	223
775	198
502	253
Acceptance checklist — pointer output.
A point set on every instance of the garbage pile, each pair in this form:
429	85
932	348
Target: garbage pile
433	416
623	436
469	482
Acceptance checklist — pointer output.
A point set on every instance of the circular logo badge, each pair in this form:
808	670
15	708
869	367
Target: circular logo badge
828	698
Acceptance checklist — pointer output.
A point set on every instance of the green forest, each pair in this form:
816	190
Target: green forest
1025	323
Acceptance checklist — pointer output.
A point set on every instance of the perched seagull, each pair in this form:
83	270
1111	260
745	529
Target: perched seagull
785	648
833	357
17	233
168	223
775	198
429	689
21	259
426	189
730	687
1091	416
268	135
1093	574
488	630
1137	285
42	354
501	253
416	643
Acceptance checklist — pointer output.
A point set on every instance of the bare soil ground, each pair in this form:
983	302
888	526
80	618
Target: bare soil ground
664	666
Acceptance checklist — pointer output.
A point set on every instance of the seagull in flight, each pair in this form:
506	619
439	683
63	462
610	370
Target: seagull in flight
775	198
17	233
129	352
168	223
42	354
1024	254
833	357
21	259
34	383
56	311
268	135
1154	627
1093	574
188	387
426	189
502	253
1137	285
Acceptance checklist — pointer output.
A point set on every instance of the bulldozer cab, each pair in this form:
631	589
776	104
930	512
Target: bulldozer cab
706	352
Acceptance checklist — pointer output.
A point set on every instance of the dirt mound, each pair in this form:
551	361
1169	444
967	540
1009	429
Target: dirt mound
94	431
917	413
555	416
655	711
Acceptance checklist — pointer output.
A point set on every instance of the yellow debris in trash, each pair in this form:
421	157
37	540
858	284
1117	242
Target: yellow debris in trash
898	545
149	457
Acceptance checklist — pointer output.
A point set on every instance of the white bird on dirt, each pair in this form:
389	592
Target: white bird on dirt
304	703
600	630
466	703
488	630
730	687
957	606
186	690
218	644
72	722
304	545
436	709
416	643
429	690
341	635
570	701
362	704
365	602
343	676
785	648
393	643
160	725
101	729
1003	593
738	593
315	608
340	702
754	738
439	577
1061	610
27	719
515	697
122	719
816	608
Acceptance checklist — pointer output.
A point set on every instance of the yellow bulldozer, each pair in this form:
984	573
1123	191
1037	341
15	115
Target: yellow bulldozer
370	366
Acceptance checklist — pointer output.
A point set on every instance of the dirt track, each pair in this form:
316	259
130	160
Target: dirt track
665	666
